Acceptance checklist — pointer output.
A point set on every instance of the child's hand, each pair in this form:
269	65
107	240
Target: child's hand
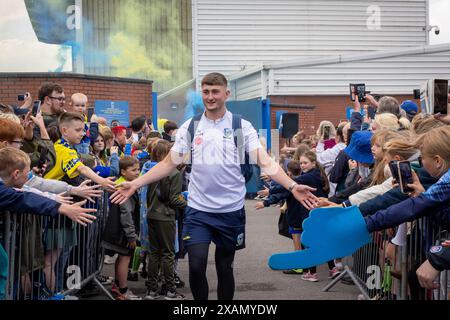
259	205
446	243
263	193
416	185
109	184
61	198
394	183
324	202
114	150
39	171
86	191
132	245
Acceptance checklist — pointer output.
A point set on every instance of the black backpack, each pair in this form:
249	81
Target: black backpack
246	167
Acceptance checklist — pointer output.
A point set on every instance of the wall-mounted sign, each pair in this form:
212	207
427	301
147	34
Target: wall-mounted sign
113	110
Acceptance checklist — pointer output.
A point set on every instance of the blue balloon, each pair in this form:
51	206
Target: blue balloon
328	233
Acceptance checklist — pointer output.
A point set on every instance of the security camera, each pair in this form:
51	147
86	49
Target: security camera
436	29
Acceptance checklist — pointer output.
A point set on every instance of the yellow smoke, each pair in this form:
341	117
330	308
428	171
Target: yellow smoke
130	59
147	43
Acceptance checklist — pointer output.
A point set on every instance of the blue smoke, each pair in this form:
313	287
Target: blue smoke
194	104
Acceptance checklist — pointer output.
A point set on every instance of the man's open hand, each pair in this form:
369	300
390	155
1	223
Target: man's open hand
125	191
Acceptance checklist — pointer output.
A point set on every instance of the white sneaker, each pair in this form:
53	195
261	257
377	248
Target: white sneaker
129	295
110	260
339	265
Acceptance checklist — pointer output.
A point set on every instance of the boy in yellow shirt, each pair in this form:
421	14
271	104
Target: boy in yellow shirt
62	237
71	126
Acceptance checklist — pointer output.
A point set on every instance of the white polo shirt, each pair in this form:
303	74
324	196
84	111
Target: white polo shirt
216	183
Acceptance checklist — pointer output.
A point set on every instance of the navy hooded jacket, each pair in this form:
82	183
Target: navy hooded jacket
435	202
393	196
26	202
296	212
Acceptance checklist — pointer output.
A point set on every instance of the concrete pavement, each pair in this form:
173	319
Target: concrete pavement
254	279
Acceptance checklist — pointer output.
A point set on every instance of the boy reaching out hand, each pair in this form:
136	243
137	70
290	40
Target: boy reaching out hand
71	126
122	230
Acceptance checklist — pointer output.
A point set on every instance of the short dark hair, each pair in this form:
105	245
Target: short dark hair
138	123
215	79
294	167
169	126
69	116
127	162
154	134
47	89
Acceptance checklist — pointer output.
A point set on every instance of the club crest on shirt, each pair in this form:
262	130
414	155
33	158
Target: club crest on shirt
240	240
436	249
227	133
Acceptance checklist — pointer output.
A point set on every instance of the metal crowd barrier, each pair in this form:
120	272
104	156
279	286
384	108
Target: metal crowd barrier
53	258
382	270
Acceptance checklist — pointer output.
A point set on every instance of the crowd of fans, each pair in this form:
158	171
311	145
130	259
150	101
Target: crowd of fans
348	165
60	157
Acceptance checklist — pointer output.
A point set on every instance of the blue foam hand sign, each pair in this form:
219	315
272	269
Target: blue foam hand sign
329	233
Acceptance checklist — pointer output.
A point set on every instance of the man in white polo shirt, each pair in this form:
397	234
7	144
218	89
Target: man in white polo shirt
215	209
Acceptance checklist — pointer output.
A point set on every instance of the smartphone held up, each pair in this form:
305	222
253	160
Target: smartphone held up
36	108
402	173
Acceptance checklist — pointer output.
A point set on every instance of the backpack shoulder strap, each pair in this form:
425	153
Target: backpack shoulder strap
238	136
191	132
193	126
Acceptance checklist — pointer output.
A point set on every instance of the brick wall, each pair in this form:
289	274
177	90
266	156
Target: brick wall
330	108
306	116
138	93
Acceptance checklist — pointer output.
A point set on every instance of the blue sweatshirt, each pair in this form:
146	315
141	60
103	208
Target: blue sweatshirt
436	200
26	202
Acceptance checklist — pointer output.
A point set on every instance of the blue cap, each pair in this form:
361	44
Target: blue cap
360	147
410	107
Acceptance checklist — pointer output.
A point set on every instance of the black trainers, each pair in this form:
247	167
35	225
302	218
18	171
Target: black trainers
178	282
144	274
105	280
173	295
163	290
132	276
